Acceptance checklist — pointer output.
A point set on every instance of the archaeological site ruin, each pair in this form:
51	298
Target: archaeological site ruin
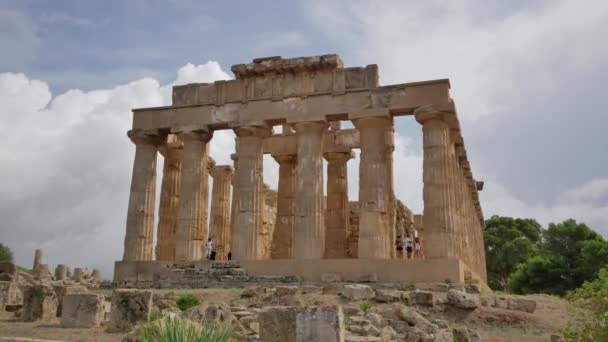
301	232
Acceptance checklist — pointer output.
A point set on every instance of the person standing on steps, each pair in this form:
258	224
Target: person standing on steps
209	248
409	247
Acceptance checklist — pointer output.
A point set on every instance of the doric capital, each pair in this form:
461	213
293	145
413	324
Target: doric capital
149	137
310	126
249	131
373	122
338	157
197	135
429	113
285	158
210	164
221	170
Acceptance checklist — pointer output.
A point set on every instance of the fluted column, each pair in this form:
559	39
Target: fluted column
336	211
248	182
438	203
169	202
192	218
284	225
392	201
374	187
140	215
309	226
220	210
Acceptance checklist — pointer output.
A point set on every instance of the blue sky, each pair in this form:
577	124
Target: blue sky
528	78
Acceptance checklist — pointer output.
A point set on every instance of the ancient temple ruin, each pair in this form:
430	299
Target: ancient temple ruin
304	231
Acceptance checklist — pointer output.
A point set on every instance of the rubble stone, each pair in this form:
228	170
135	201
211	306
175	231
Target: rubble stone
285	290
64	290
387	296
332	289
357	292
10	294
39	303
331	278
128	308
82	310
463	300
425	298
321	323
521	304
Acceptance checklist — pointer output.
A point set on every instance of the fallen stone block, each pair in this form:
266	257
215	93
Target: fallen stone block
413	318
278	324
463	300
39	303
128	308
10	295
357	292
321	323
521	304
387	296
82	310
64	290
425	298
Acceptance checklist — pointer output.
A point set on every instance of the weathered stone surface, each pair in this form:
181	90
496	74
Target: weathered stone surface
278	324
61	272
357	292
463	300
285	290
41	272
321	323
212	314
331	278
82	311
333	289
39	303
128	308
443	336
412	317
10	294
387	296
425	298
521	304
64	290
8	271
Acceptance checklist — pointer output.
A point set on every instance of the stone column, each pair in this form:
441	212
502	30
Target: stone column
438	203
37	259
140	215
249	197
337	210
61	272
191	219
284	225
169	203
392	201
78	275
309	225
374	187
220	210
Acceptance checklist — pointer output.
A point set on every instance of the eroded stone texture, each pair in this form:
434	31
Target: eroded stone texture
169	199
61	272
79	275
191	233
82	311
248	182
322	323
337	210
220	210
269	215
128	308
39	303
42	272
140	215
309	227
65	290
283	232
10	294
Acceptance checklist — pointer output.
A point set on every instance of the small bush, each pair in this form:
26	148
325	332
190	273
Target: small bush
187	301
365	306
170	329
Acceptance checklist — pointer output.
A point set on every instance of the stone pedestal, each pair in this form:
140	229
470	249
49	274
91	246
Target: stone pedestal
140	215
283	231
309	226
337	210
438	203
169	203
220	210
191	231
248	194
374	187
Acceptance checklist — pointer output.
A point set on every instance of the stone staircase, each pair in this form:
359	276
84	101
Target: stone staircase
220	274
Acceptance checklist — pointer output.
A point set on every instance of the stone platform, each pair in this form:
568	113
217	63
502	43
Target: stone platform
208	274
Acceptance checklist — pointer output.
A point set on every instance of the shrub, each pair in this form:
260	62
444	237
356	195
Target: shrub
5	253
365	306
187	301
170	329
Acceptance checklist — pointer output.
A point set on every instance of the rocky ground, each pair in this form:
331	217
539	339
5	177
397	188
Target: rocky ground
408	314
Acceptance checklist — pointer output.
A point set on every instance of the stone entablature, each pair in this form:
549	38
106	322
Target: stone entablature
309	97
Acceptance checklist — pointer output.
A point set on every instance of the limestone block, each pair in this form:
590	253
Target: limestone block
463	300
39	303
521	304
357	292
10	294
332	289
285	290
413	318
64	290
82	310
425	298
500	302
369	278
278	324
128	308
322	323
331	278
387	296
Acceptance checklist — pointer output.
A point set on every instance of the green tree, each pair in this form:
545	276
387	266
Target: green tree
6	255
509	242
570	254
590	320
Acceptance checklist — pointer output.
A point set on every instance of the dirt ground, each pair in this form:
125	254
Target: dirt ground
493	324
